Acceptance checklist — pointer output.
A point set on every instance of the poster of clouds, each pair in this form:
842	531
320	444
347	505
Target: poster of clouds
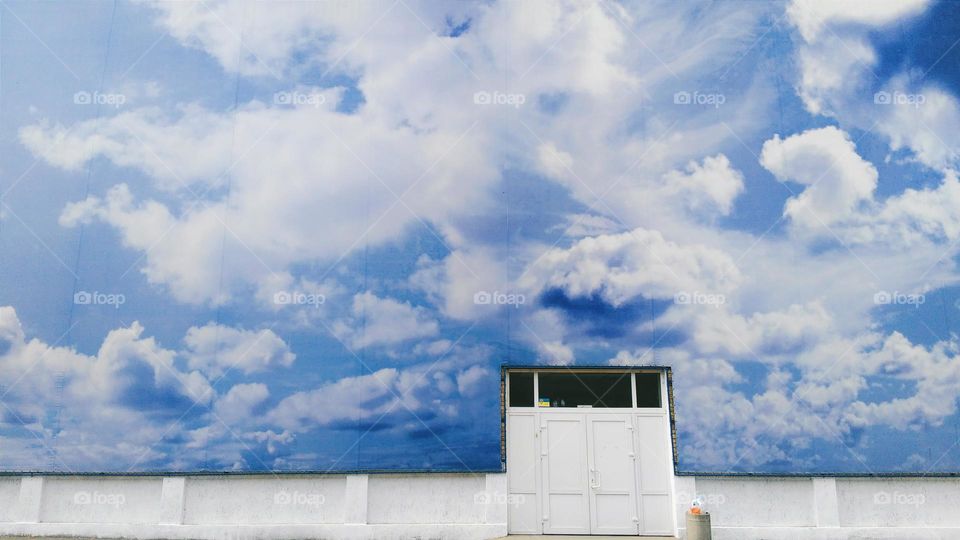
305	236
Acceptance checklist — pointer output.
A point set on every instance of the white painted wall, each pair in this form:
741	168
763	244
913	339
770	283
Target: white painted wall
746	508
454	506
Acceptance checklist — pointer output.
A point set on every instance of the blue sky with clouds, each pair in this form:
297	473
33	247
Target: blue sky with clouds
247	236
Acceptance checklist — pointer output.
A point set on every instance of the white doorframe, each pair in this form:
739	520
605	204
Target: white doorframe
565	490
652	444
612	464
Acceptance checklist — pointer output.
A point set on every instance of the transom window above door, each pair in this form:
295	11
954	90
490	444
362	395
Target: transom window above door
559	389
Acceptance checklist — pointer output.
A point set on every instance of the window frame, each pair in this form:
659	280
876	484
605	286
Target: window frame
661	376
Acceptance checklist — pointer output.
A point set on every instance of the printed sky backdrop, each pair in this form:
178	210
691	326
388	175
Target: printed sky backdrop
243	235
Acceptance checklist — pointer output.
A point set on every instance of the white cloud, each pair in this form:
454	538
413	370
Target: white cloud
349	167
705	188
811	16
95	392
339	401
554	162
545	331
836	179
936	371
272	439
838	78
379	321
144	138
925	127
105	393
914	218
181	253
831	66
469	381
614	142
838	202
444	383
821	395
253	39
555	353
774	336
621	267
383	394
580	225
238	403
214	349
267	226
454	282
436	348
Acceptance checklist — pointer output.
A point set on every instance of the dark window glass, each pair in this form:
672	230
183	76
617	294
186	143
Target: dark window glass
648	390
585	389
521	389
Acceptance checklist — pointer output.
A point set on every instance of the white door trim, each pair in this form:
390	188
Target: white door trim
605	475
659	499
565	482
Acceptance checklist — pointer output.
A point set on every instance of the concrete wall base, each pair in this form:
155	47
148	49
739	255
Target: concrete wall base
825	508
256	507
451	506
834	533
464	531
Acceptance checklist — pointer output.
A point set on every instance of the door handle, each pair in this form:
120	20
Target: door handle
594	479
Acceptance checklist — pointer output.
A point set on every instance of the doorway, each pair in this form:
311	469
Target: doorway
589	452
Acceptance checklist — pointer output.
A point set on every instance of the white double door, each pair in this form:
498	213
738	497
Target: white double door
589	475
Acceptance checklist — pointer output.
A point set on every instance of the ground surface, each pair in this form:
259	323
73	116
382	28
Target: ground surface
558	537
511	537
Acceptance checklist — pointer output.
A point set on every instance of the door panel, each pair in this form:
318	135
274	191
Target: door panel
654	475
587	472
564	448
523	458
657	515
612	478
